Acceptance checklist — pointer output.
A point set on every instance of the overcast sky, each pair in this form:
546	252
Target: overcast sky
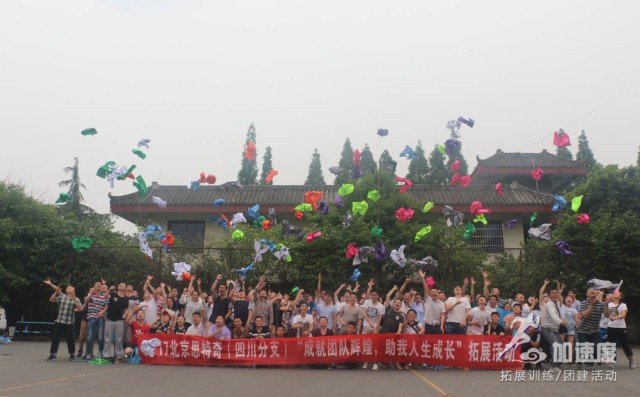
193	75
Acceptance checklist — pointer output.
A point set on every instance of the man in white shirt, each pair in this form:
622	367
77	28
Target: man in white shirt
303	322
198	328
551	321
372	311
458	308
434	309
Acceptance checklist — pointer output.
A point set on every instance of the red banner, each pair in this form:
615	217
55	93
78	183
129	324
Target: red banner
467	351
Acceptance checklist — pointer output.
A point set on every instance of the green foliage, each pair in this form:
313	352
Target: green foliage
439	171
419	171
564	153
385	160
457	155
326	254
584	152
267	166
248	174
35	243
367	163
607	248
315	176
346	164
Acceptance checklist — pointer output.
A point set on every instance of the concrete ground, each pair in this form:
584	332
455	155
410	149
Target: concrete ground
24	372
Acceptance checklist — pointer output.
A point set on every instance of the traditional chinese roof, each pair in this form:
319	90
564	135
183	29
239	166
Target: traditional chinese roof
181	199
509	167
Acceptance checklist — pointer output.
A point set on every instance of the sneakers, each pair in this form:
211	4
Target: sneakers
438	367
52	357
374	367
611	366
365	365
633	365
72	357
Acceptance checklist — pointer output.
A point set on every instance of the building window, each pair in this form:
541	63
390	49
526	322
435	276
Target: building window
489	237
190	232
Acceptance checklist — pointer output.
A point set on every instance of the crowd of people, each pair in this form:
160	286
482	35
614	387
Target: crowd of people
115	316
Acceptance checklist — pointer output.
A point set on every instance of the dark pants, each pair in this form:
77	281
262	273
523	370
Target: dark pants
592	337
58	330
432	330
619	334
454	329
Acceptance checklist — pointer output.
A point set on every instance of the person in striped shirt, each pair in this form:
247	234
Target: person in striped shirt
97	303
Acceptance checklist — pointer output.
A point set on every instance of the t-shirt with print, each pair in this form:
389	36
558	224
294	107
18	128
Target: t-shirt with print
373	311
615	310
391	321
457	313
97	303
137	329
306	322
327	311
481	316
117	306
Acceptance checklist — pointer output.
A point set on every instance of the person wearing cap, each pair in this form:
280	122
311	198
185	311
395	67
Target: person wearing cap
163	325
114	325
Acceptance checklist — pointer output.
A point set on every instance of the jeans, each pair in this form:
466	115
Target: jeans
95	328
454	329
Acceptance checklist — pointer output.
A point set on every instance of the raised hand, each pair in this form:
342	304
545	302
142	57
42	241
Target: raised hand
473	281
219	277
199	281
371	282
485	274
422	273
149	278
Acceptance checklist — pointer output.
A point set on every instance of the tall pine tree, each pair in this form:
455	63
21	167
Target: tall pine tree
385	161
315	177
248	174
563	152
346	163
75	188
419	167
457	155
584	152
440	173
267	166
367	163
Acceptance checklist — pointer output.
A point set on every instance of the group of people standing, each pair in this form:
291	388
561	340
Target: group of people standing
115	316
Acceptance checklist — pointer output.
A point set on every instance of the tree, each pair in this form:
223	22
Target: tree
75	188
584	152
36	243
248	174
439	171
457	155
315	176
267	166
345	164
387	163
367	163
563	152
419	167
